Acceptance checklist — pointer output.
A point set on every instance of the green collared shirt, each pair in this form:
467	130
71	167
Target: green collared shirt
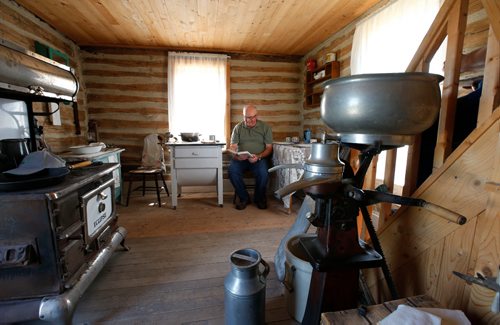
252	139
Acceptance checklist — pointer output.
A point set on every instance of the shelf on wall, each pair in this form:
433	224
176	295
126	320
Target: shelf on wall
313	87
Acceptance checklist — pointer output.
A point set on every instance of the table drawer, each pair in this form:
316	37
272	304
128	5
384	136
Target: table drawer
197	163
194	152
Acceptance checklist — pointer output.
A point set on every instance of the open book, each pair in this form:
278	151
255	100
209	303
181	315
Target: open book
245	154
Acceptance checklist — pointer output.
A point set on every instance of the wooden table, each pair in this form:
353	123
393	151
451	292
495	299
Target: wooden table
376	313
196	163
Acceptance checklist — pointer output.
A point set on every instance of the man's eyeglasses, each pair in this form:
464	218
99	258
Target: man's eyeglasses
250	117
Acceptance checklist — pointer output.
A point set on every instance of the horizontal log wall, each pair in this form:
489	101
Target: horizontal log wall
341	44
274	85
127	94
23	28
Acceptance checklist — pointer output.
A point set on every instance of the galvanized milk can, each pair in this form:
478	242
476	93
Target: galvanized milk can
245	288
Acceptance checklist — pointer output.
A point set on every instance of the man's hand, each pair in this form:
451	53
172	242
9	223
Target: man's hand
253	159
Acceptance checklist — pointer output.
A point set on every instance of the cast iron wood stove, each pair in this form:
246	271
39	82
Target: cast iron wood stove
54	241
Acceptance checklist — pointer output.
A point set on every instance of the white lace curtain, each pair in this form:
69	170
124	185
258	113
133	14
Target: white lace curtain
388	40
197	93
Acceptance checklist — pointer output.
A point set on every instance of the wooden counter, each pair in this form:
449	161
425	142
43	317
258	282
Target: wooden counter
376	313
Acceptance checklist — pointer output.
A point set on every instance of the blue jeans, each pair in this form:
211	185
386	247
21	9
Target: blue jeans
259	169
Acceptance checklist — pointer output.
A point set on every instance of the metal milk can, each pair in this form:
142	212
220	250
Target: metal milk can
245	288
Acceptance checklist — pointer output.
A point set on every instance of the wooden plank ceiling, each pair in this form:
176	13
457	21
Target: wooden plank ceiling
282	27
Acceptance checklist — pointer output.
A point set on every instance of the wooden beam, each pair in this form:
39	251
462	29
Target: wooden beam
487	243
455	156
369	183
412	160
389	172
492	8
490	97
457	22
432	40
456	190
456	254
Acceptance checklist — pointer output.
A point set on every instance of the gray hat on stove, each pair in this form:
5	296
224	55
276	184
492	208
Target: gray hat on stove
36	162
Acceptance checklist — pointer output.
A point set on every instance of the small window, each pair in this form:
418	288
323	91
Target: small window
197	94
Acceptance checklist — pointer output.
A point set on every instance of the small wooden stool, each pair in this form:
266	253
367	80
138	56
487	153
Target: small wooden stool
146	172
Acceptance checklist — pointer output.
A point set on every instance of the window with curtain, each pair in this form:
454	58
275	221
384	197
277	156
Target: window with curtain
386	42
197	94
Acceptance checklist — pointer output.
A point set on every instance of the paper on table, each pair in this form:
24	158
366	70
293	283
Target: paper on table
409	315
448	316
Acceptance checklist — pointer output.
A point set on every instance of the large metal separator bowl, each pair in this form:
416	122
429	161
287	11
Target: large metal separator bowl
371	106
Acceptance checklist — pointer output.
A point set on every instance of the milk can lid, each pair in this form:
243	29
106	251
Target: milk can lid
245	257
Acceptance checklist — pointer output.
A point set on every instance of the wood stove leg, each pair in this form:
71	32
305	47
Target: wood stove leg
143	184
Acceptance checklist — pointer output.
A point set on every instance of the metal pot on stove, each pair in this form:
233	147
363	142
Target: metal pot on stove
12	152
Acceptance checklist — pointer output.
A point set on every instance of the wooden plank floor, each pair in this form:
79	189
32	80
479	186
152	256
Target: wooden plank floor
174	272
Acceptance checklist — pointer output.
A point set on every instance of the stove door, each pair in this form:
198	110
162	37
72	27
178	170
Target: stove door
98	208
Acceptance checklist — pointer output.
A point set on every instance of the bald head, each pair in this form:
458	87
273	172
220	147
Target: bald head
249	110
250	115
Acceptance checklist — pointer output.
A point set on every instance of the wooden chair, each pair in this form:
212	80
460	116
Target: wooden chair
143	173
152	166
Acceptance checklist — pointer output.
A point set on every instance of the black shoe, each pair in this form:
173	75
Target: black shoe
262	205
241	205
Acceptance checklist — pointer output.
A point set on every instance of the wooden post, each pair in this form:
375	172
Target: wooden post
432	40
369	183
457	23
412	160
492	8
389	172
420	62
490	96
487	241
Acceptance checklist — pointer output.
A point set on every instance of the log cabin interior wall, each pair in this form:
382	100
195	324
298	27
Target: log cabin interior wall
127	94
422	250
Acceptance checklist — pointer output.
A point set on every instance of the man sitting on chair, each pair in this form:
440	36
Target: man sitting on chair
256	137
